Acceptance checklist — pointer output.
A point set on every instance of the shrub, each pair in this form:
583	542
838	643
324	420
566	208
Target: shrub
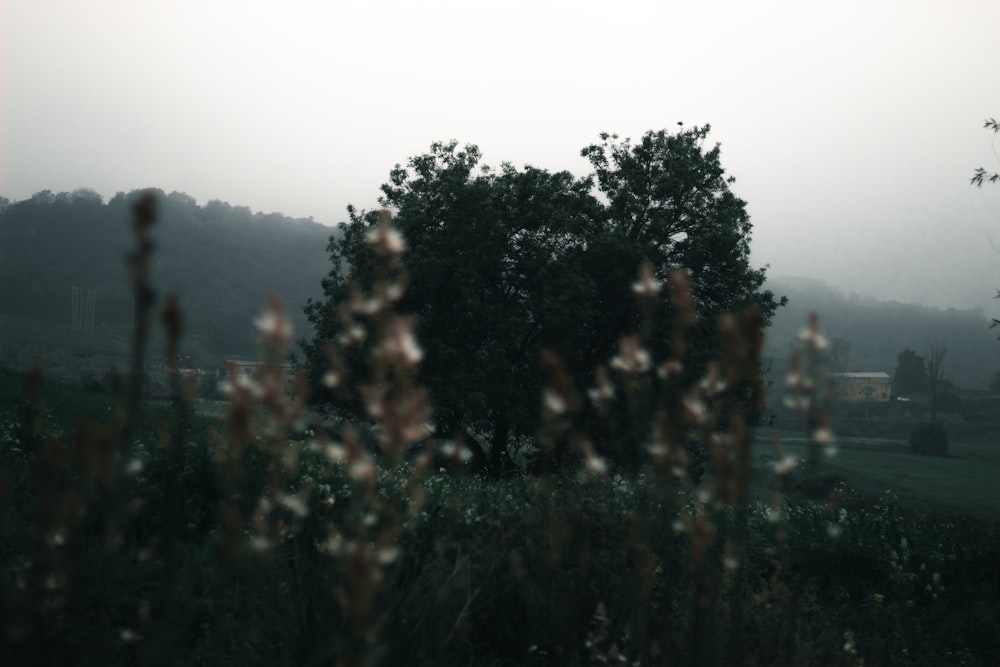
929	440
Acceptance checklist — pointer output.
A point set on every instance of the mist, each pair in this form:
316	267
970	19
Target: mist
852	130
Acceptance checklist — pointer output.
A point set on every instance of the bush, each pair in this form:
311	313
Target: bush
929	440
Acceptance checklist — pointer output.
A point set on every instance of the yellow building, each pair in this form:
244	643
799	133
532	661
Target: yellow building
864	386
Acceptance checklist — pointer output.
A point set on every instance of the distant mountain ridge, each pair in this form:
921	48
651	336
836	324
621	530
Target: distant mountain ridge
877	331
224	261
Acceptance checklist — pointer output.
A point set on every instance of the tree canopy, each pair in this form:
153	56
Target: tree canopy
911	373
504	262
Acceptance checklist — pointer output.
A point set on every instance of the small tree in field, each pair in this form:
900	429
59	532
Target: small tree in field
910	376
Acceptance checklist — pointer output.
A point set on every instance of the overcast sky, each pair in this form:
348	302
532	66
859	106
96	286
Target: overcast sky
852	128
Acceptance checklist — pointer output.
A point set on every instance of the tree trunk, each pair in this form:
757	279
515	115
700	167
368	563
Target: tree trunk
499	458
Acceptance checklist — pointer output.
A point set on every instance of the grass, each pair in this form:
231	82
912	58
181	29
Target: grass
963	483
68	354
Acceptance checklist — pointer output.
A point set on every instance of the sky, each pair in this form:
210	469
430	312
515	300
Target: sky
852	127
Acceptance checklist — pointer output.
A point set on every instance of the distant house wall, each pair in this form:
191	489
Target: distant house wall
864	386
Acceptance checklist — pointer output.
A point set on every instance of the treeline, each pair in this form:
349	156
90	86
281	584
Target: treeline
223	260
868	335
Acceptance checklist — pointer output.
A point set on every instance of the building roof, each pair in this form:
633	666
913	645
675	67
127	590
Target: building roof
864	376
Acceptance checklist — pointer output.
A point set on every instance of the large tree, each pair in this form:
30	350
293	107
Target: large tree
505	262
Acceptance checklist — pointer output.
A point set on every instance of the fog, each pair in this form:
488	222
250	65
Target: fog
852	128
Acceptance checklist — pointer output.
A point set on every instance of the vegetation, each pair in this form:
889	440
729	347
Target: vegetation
225	259
136	534
878	330
502	264
981	175
910	376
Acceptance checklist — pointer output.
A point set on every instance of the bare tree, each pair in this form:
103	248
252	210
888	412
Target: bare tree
935	375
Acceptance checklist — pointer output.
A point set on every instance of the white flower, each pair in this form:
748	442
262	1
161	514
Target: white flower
596	465
785	465
273	323
823	436
554	403
647	285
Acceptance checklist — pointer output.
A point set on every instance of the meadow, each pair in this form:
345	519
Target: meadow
567	569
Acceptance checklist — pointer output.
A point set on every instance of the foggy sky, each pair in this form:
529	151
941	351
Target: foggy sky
852	128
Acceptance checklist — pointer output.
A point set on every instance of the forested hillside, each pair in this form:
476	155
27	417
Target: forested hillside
870	334
224	261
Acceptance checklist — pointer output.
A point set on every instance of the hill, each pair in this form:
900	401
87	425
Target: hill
222	260
872	333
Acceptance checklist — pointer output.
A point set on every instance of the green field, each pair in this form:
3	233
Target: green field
965	482
76	357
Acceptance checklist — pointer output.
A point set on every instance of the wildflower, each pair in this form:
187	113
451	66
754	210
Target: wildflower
785	465
696	409
554	403
295	505
604	391
363	471
632	357
128	636
823	436
849	646
647	285
385	239
596	464
399	342
670	368
335	453
273	323
387	555
794	380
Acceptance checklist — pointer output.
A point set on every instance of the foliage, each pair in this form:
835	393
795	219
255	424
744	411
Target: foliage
981	175
878	330
505	263
911	374
929	440
226	259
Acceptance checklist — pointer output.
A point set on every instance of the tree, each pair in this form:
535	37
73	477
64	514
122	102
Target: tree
981	176
840	353
911	373
935	376
503	263
669	201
